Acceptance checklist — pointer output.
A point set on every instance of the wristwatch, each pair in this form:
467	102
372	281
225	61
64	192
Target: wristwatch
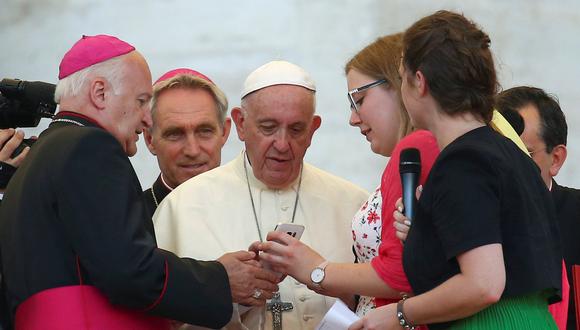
317	275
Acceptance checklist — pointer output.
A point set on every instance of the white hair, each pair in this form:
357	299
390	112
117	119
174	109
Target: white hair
113	70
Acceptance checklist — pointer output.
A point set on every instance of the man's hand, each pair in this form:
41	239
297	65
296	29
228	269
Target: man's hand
10	139
250	284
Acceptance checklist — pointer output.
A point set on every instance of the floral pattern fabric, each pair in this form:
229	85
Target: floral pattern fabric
366	234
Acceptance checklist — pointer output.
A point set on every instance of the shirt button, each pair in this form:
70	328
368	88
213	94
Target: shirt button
284	208
280	192
303	298
306	317
297	283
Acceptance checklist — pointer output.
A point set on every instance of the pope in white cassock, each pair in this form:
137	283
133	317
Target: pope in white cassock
228	208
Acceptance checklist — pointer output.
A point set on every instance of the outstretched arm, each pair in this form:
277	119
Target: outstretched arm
289	256
479	284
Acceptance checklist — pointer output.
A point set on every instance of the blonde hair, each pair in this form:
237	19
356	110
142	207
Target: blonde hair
188	81
381	60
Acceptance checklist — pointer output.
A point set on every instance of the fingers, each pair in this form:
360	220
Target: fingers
401	227
401	218
10	139
267	275
242	255
399	204
401	236
254	247
275	262
6	134
273	248
267	288
18	159
419	191
280	237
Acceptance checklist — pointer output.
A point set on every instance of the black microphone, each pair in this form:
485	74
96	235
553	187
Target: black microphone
410	170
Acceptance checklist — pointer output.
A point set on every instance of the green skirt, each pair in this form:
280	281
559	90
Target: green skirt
525	312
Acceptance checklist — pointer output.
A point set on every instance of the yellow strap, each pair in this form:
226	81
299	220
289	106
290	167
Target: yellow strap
502	126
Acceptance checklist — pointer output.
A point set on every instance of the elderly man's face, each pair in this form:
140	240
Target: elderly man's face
186	136
128	112
277	129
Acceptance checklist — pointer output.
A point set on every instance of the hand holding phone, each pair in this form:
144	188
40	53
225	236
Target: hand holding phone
291	229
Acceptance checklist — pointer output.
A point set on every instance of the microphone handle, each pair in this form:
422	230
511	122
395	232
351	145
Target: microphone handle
409	183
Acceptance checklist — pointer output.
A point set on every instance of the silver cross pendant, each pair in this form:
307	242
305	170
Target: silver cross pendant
276	306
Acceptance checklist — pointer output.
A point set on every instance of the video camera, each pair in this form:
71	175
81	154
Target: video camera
24	103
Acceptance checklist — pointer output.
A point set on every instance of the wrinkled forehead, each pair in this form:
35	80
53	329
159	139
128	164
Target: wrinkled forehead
286	98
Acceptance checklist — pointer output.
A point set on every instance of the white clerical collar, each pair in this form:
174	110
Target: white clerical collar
550	186
254	182
165	183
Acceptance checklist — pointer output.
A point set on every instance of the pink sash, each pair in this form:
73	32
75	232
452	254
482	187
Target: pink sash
80	307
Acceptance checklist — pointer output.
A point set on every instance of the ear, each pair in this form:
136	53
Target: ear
97	91
239	120
420	82
316	122
149	140
558	154
226	130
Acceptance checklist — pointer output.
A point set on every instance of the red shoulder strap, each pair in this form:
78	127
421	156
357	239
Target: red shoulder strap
576	284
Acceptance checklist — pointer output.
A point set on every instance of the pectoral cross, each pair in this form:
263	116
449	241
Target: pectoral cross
276	306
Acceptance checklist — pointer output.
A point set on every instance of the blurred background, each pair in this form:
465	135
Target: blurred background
535	43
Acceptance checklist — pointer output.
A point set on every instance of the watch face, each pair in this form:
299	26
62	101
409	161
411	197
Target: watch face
317	275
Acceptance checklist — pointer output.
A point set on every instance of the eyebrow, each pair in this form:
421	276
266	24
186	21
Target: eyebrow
147	95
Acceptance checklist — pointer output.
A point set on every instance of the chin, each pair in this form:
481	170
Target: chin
376	149
131	151
280	182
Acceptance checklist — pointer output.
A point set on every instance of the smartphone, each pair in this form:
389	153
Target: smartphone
291	229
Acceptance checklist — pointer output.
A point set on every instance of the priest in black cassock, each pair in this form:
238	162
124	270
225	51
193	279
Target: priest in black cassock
75	252
545	135
189	129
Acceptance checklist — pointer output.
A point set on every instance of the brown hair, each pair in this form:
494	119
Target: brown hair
380	60
453	54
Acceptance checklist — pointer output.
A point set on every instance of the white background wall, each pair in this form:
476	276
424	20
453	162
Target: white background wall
535	42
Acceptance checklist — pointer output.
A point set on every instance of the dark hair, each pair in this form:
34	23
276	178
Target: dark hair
453	54
380	60
553	128
514	118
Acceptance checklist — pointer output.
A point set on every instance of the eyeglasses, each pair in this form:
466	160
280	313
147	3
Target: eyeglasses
353	103
532	152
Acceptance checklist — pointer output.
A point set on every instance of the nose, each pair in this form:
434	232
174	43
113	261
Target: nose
191	148
282	141
354	119
147	120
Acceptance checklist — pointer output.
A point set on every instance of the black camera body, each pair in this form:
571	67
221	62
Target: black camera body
24	103
25	143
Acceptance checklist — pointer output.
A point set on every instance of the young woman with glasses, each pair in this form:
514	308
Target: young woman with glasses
482	252
376	109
